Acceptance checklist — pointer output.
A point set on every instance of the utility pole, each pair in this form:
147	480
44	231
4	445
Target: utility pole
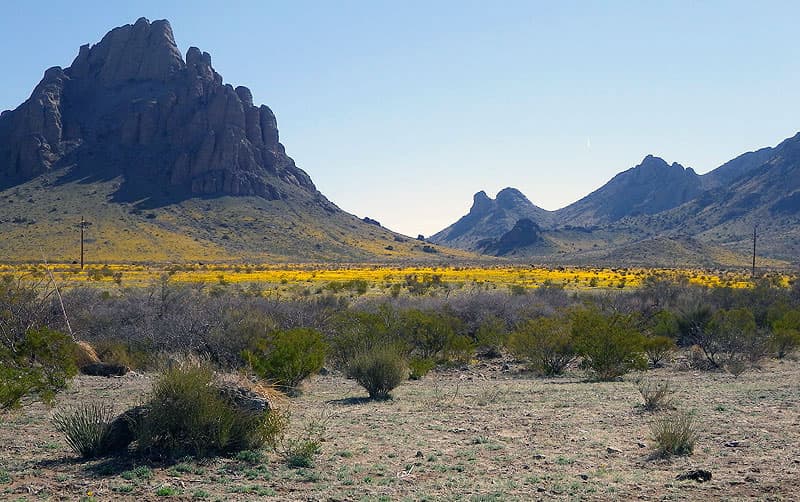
83	225
753	275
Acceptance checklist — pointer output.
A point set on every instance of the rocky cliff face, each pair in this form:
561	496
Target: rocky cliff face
131	106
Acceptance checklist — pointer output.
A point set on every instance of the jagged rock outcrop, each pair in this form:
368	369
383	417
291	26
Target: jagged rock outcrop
131	106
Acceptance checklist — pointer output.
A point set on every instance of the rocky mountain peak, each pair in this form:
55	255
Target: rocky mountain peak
508	198
139	51
481	203
130	106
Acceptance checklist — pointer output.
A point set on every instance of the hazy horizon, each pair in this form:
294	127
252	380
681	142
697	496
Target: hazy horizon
402	112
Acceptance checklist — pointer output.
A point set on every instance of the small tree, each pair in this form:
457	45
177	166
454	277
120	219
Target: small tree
546	343
287	357
609	344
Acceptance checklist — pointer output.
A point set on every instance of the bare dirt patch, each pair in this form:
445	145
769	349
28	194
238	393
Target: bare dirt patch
476	433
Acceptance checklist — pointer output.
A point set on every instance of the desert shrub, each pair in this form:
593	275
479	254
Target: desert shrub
693	326
656	395
432	335
610	345
785	337
379	371
34	359
299	453
459	349
236	330
658	349
133	355
287	357
85	427
674	434
357	332
419	367
39	362
732	341
188	416
491	336
546	343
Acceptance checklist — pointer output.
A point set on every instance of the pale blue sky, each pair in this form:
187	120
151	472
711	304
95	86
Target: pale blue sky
402	110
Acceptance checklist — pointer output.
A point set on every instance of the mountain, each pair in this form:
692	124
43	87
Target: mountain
491	218
168	163
766	197
639	190
130	106
662	213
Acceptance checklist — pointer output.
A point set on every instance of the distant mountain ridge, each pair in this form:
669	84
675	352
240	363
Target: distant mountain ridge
655	200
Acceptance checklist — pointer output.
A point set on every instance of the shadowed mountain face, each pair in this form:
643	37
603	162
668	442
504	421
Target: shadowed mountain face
131	106
524	234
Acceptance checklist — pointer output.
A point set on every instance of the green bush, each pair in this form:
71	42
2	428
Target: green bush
287	357
86	428
674	434
610	345
38	362
358	332
432	335
419	367
459	349
491	336
188	416
379	371
785	337
658	348
135	356
732	341
300	452
546	343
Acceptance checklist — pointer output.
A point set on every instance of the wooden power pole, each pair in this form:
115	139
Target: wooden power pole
83	225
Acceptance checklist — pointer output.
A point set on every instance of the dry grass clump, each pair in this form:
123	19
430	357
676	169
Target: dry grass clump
674	434
269	393
656	395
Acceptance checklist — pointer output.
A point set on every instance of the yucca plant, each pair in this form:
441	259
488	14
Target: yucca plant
86	427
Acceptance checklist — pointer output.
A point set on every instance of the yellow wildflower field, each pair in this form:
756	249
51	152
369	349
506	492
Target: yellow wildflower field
318	275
